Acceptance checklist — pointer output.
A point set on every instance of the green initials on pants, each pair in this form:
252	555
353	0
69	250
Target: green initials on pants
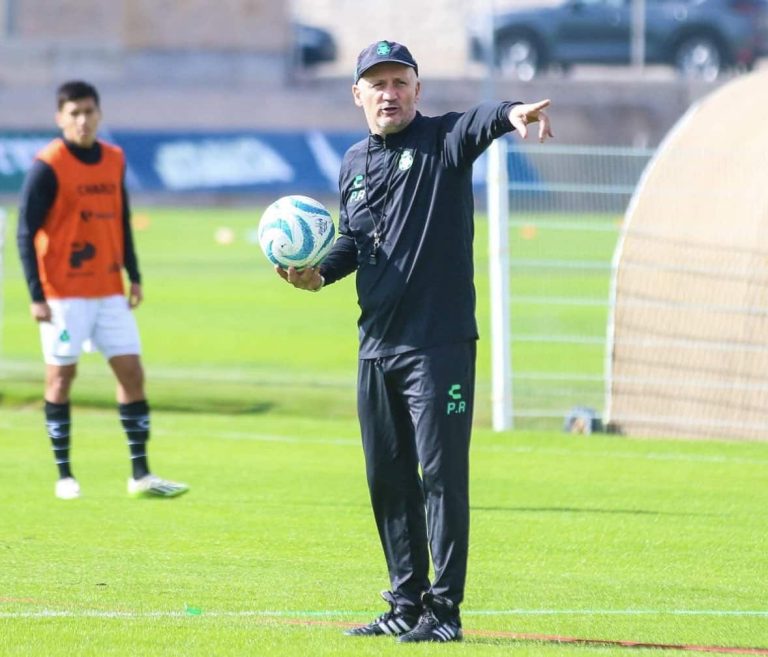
457	405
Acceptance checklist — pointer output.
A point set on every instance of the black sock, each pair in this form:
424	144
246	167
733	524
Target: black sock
57	423
135	420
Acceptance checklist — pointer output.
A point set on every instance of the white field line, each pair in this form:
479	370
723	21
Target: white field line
89	613
477	447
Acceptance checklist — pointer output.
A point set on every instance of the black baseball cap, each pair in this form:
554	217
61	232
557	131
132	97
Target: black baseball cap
384	51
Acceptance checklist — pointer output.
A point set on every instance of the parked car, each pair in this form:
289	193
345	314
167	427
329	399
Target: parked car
313	45
700	38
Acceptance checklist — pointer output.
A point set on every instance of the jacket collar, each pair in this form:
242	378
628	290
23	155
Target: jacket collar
396	139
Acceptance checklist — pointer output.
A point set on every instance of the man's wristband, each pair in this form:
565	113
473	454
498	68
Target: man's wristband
322	283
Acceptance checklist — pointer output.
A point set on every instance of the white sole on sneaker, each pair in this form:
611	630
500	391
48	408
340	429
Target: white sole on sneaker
67	489
153	486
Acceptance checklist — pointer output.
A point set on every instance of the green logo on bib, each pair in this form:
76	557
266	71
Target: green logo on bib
64	336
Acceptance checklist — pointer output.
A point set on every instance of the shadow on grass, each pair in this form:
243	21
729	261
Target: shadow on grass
196	405
249	397
510	640
569	509
227	407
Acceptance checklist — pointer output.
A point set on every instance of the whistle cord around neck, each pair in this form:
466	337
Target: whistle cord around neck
378	226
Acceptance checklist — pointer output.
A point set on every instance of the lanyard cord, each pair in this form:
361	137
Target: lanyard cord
378	226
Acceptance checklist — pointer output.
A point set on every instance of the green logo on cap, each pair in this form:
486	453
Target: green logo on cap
383	48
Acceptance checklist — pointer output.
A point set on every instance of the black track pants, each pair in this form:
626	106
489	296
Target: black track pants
415	410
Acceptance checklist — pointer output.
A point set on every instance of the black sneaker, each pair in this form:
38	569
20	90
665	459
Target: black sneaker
398	620
440	621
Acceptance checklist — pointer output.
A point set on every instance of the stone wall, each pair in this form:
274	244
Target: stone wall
143	41
436	31
197	64
63	21
250	25
40	38
240	25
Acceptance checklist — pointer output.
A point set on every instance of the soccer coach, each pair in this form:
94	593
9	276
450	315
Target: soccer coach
406	226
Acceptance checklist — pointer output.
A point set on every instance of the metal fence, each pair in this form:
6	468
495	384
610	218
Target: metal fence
551	268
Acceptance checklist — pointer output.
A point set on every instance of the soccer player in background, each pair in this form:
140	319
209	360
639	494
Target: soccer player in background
74	238
406	227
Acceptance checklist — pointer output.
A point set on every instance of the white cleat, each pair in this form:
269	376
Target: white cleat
153	486
67	488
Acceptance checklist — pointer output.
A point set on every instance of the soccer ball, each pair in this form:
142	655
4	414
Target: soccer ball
296	231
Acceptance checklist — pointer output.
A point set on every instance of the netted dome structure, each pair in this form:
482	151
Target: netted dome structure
688	333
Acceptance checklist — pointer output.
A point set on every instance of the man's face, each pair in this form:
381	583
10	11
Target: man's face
388	94
79	120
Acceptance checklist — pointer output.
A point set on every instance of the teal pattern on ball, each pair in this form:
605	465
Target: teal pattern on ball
296	231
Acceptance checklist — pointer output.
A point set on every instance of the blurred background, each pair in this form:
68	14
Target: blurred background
619	72
223	103
284	65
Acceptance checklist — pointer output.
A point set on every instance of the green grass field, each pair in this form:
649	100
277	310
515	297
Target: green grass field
274	551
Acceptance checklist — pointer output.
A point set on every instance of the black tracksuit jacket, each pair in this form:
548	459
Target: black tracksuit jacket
414	188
